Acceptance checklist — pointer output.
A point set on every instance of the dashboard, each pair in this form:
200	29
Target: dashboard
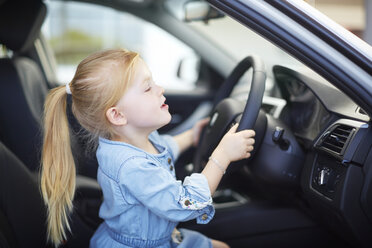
336	137
314	142
312	105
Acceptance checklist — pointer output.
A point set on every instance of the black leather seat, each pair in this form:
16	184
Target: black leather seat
22	211
24	88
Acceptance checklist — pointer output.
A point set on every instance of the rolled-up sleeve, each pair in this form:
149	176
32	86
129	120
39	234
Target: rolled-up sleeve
156	188
197	196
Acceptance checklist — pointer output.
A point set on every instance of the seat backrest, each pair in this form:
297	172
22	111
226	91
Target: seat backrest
21	108
23	90
23	87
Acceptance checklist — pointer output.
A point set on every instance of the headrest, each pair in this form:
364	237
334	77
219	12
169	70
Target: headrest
20	23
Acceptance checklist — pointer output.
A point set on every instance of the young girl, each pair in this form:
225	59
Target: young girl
116	100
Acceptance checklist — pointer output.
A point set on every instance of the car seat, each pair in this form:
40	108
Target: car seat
23	213
24	88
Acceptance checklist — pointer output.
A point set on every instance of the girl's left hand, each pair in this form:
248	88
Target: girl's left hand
196	130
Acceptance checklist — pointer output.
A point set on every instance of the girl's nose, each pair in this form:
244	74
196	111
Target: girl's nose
161	90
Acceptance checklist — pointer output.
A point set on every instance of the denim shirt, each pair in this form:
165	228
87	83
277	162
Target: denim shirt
143	201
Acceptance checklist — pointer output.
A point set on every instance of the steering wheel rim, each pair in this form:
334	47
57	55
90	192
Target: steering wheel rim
210	138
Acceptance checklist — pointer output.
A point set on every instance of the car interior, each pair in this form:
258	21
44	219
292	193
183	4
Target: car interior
308	183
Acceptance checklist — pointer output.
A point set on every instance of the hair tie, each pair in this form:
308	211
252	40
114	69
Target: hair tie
68	90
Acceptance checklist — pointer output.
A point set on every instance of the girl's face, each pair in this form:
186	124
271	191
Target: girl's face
143	105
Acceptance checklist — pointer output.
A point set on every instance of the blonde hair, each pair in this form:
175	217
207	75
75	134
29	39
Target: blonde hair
99	82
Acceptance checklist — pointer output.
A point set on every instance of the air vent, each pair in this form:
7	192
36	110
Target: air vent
337	139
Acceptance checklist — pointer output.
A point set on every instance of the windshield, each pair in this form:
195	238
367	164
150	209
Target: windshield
224	33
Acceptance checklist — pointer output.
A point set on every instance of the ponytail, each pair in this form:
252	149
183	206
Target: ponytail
58	167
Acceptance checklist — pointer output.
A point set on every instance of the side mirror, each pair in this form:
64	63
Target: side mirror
192	10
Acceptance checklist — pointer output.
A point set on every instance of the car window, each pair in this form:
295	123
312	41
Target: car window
224	32
75	30
239	41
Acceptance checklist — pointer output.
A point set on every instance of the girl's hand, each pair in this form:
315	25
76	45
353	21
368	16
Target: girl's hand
196	130
236	145
232	147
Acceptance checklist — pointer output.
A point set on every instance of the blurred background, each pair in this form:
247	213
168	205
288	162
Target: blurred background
354	15
76	29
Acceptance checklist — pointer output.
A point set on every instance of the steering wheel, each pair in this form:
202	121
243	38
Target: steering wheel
228	111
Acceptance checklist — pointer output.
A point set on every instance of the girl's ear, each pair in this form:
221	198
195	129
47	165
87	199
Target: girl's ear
116	117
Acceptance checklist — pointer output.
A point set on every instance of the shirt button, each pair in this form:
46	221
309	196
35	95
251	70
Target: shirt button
169	160
204	217
171	167
187	202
